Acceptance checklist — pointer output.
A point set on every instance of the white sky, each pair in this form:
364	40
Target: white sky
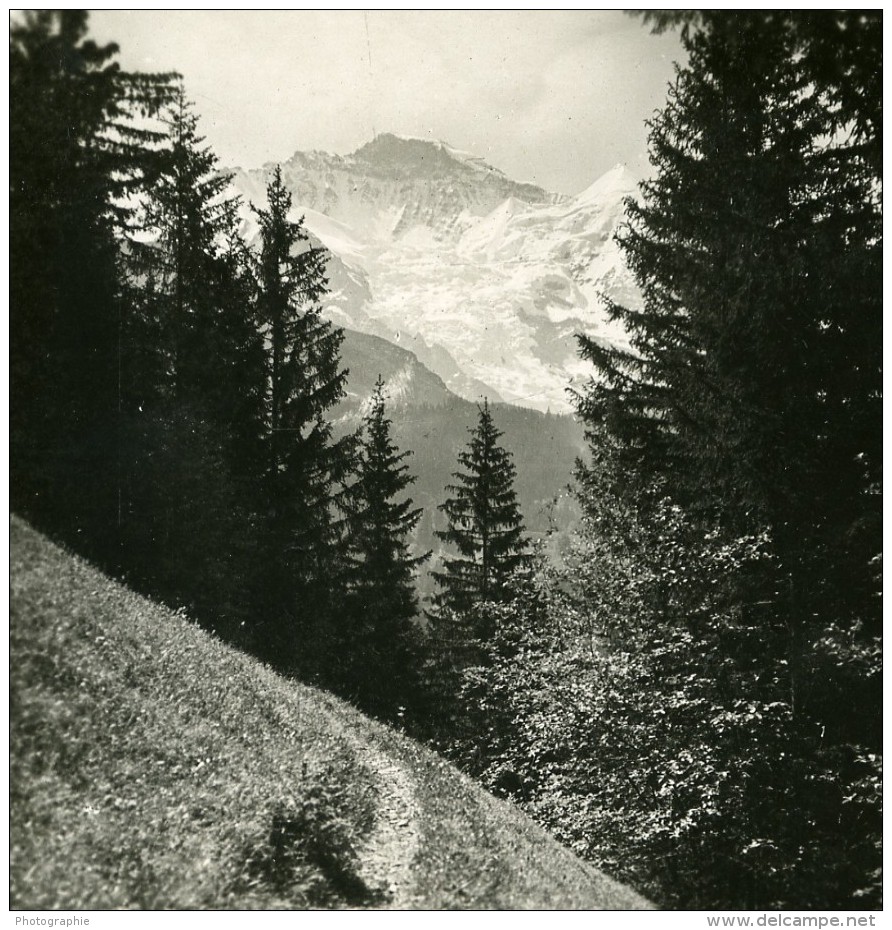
555	98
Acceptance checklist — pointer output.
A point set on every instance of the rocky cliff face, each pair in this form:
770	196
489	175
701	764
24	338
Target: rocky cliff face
485	279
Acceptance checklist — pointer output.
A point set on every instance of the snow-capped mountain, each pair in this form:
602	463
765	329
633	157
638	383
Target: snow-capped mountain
486	280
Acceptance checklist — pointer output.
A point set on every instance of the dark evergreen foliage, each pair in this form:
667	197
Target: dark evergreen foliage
753	385
306	469
151	426
381	641
483	523
192	380
839	50
639	710
75	155
748	408
758	253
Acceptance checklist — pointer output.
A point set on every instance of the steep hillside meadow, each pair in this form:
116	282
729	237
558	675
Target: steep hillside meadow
154	767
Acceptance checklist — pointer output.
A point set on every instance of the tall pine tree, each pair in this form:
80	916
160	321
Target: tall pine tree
76	155
191	374
381	636
306	467
483	523
748	412
753	387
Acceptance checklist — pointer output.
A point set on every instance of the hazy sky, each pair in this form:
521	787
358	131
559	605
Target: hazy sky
552	98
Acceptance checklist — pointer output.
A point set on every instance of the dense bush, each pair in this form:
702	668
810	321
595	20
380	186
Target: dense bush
640	708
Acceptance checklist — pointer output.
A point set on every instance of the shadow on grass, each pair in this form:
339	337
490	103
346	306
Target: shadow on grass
311	855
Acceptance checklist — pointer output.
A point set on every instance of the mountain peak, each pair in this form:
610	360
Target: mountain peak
617	182
424	157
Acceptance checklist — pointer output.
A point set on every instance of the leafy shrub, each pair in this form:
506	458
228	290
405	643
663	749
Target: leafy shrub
642	706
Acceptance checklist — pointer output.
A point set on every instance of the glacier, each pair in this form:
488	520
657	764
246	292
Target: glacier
485	279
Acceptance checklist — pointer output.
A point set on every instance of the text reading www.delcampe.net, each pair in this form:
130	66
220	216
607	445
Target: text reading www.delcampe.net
817	921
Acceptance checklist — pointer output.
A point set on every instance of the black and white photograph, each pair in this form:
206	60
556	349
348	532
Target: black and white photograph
445	464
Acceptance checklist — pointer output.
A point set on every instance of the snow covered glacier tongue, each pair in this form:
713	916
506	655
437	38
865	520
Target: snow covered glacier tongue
485	279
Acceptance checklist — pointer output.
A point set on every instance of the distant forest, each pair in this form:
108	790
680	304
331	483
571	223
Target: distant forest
691	696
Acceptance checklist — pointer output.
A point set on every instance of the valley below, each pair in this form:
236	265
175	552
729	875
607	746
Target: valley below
434	424
455	284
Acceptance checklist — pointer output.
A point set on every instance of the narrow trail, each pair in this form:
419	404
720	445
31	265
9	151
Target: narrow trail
387	854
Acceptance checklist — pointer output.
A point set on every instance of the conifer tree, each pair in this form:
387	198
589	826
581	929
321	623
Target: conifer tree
187	214
747	417
752	391
306	467
756	247
75	156
839	52
204	286
483	523
381	636
238	392
190	373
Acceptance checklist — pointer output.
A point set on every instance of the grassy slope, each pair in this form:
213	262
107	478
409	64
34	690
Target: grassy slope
152	766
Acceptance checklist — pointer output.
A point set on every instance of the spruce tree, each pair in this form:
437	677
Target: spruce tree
381	636
76	154
839	52
752	389
191	377
483	523
747	414
306	467
237	394
187	216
